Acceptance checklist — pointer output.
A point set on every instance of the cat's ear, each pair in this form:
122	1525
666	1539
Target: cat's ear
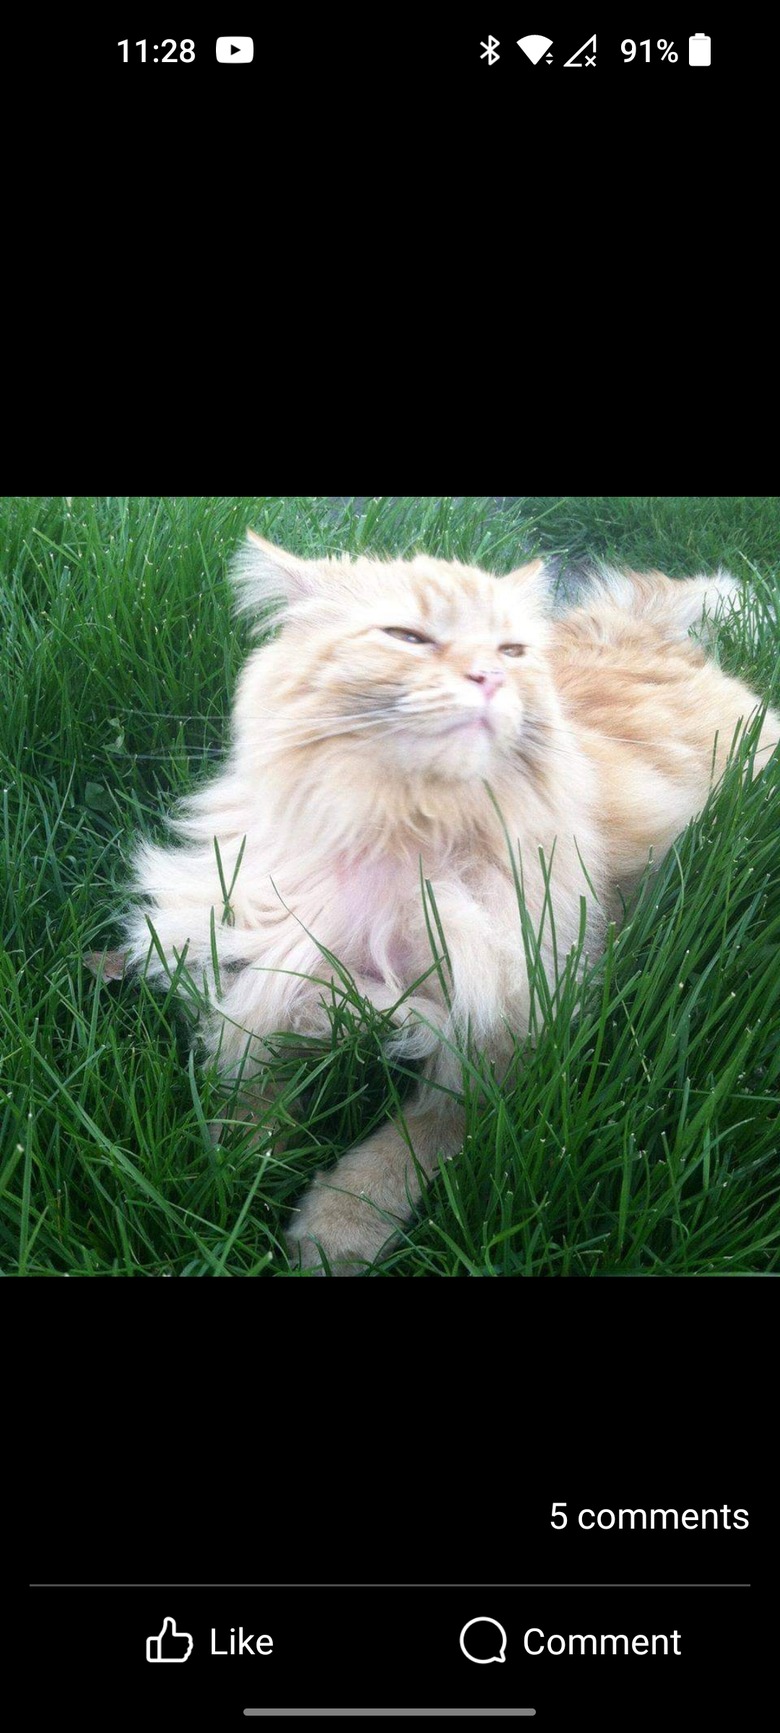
530	583
269	580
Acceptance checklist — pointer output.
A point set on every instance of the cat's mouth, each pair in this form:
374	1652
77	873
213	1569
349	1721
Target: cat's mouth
478	724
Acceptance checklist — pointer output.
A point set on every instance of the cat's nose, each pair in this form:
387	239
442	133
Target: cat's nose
488	677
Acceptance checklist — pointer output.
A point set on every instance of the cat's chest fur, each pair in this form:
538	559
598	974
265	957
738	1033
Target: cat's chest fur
385	909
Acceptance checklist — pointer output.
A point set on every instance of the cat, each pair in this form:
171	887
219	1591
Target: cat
402	722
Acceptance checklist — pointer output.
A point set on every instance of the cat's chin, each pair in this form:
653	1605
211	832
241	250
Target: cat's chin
456	753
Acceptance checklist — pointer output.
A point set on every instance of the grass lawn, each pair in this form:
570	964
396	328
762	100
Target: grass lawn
639	1136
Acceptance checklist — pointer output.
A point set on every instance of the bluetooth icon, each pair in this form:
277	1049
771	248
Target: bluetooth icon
490	47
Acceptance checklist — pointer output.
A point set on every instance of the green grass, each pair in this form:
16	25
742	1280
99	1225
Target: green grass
640	1136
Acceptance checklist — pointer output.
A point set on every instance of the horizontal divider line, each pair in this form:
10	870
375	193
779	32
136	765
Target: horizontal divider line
491	1586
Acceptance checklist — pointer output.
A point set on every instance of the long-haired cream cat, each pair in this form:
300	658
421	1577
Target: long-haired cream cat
370	733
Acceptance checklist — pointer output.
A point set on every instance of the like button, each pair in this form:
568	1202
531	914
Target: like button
171	1645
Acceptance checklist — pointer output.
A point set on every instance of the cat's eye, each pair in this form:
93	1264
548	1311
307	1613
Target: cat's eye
408	637
512	649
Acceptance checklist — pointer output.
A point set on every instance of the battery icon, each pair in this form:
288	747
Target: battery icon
699	50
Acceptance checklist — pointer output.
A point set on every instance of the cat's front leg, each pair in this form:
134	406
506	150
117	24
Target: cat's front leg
352	1213
310	1011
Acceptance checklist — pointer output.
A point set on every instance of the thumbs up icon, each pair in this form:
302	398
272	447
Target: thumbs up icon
171	1645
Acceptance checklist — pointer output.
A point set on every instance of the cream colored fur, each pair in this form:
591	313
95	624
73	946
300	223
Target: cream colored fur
359	757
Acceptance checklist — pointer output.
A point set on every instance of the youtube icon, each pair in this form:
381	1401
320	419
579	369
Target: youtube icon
235	50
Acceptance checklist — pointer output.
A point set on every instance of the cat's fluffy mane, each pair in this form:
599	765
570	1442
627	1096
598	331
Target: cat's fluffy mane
286	698
339	816
348	778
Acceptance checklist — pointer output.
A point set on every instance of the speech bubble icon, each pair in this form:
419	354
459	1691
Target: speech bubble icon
483	1660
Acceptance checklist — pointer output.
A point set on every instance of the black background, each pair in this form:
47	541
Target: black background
381	1647
269	1444
560	248
170	220
405	45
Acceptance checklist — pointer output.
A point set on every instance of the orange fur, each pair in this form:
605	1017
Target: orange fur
361	758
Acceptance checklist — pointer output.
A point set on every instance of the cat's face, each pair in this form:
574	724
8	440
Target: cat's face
434	667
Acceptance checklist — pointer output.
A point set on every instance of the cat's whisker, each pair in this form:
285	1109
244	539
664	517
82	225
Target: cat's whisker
302	733
331	725
416	706
330	734
307	721
545	727
218	751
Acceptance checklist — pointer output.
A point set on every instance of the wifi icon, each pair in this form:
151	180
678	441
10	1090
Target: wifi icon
535	47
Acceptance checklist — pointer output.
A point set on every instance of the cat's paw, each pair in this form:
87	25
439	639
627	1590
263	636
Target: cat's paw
338	1228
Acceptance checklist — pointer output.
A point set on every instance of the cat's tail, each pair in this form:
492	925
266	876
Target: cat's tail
673	606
